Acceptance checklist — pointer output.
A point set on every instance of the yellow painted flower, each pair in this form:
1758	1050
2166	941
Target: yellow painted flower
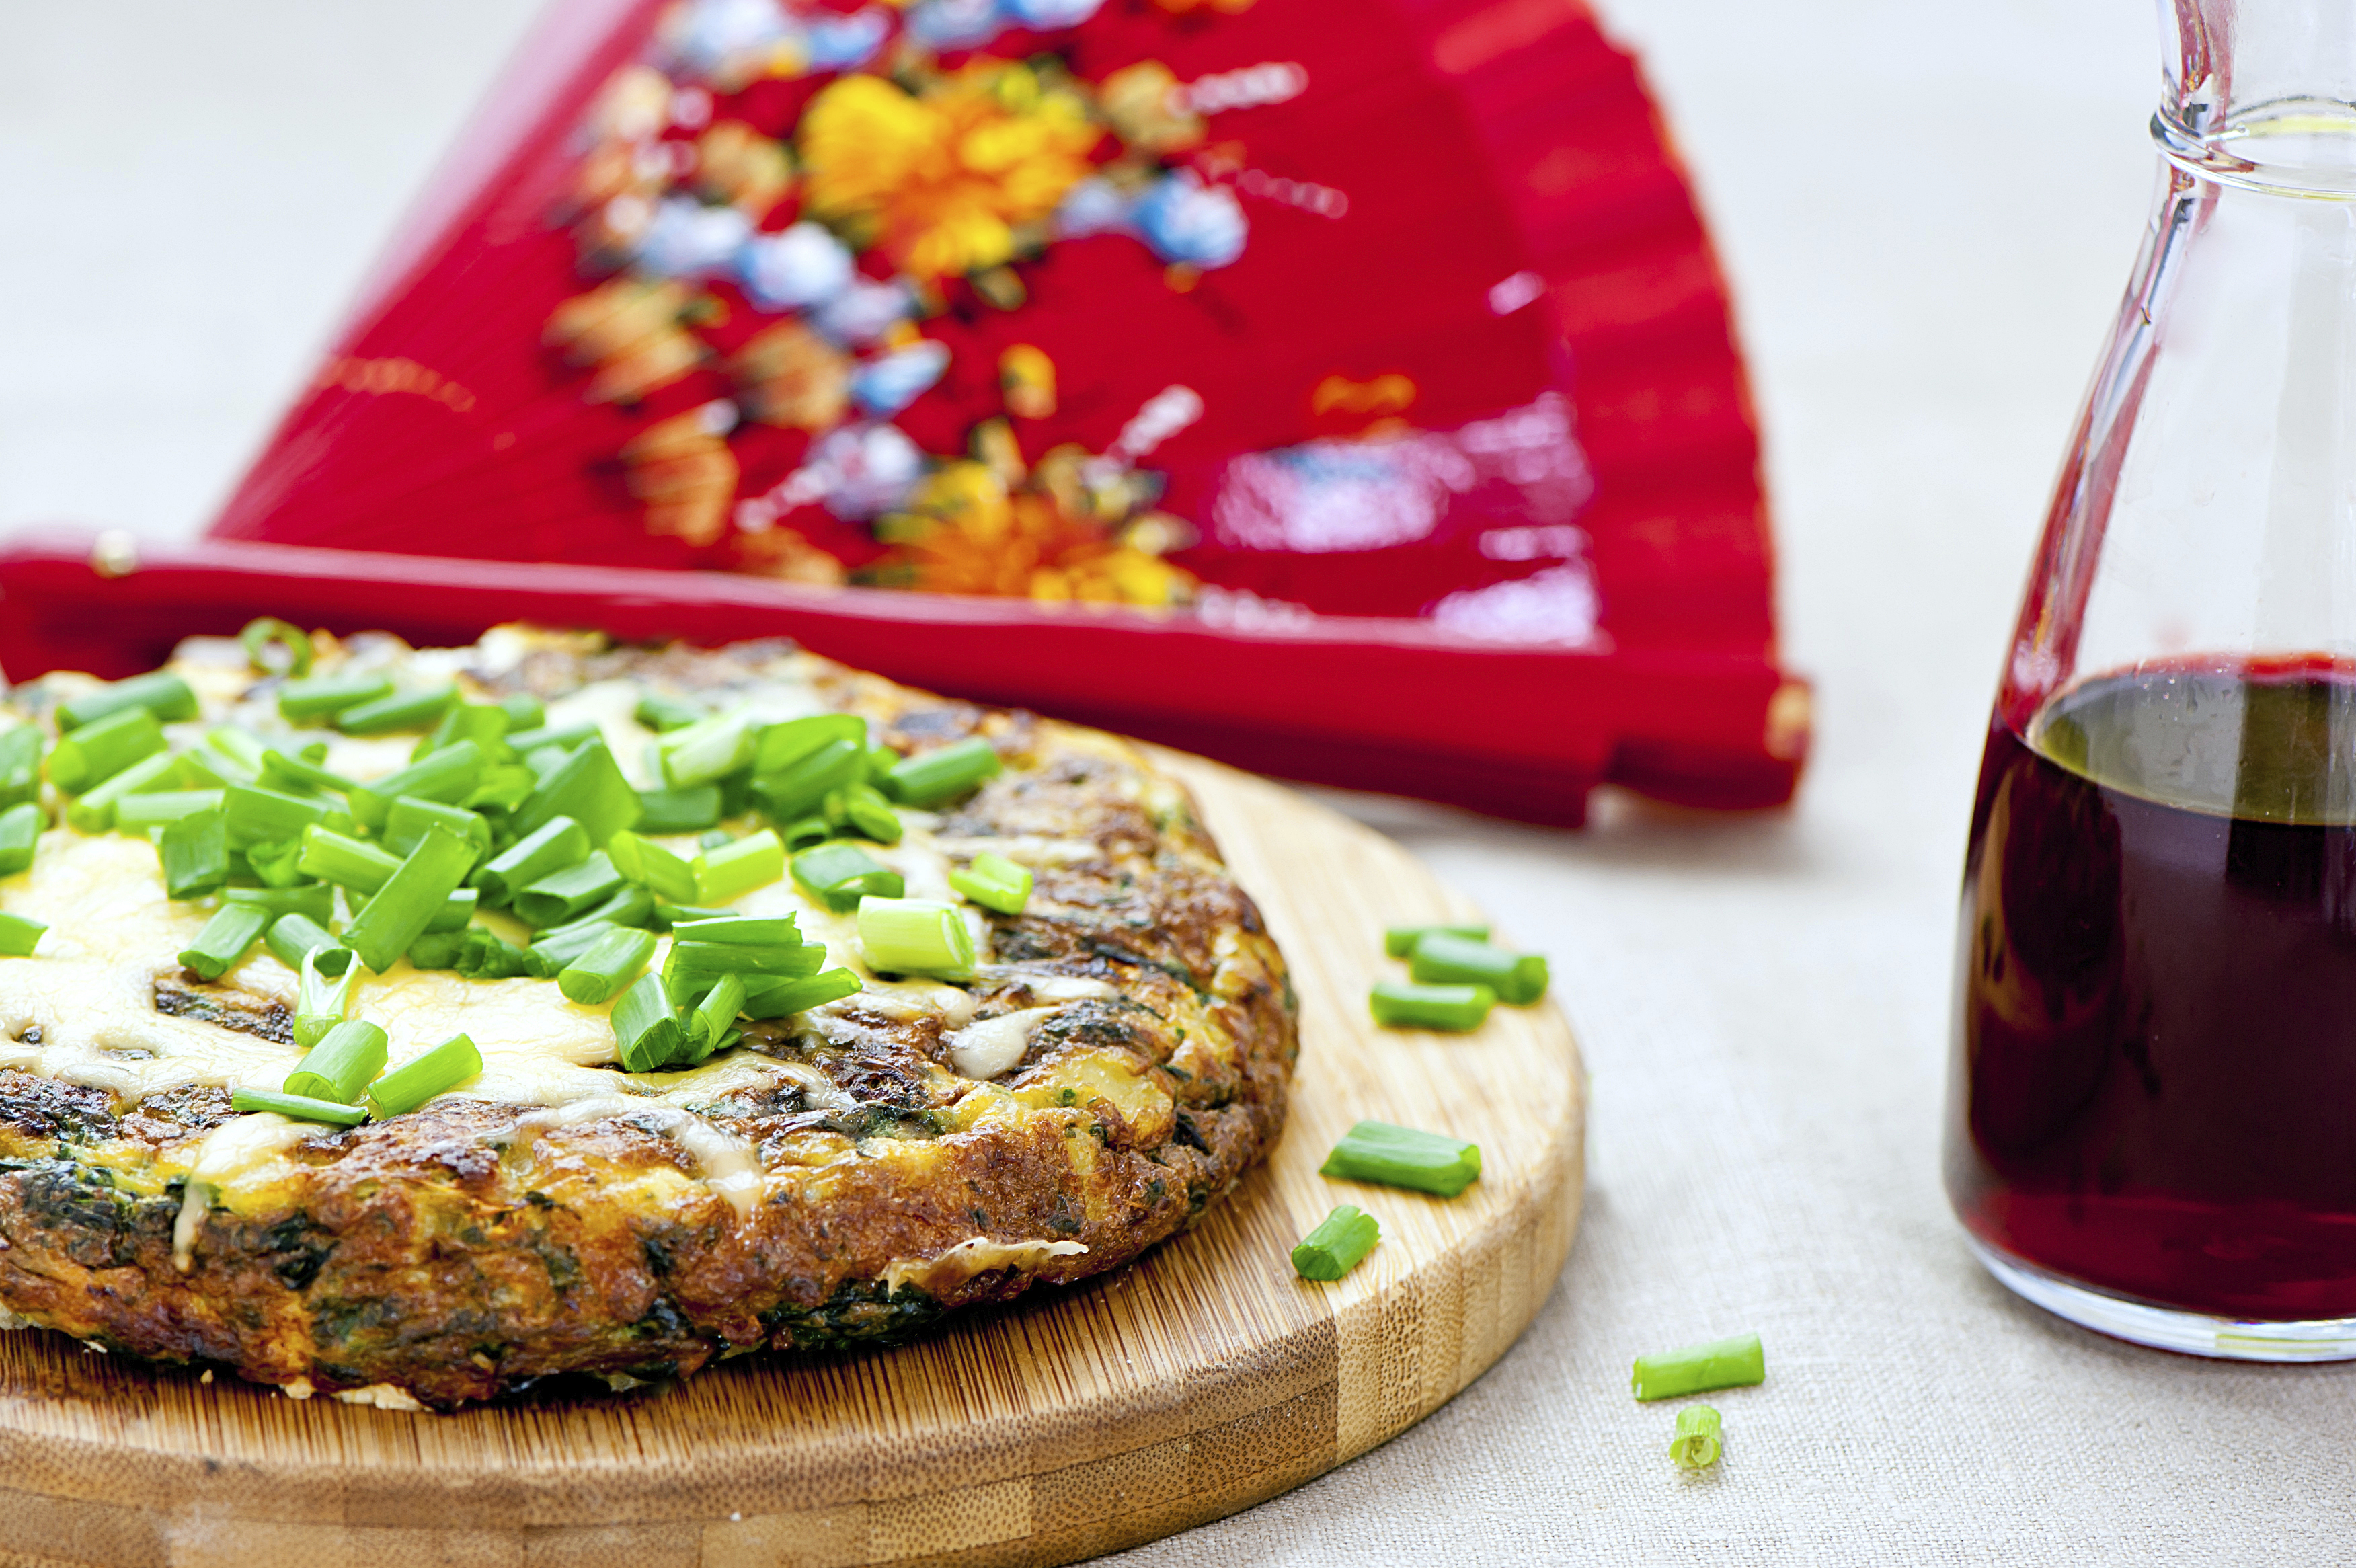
940	180
965	532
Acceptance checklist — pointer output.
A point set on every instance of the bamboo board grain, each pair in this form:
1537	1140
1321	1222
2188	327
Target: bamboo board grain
1203	1380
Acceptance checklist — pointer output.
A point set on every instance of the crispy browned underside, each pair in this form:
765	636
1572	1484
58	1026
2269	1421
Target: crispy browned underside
421	1253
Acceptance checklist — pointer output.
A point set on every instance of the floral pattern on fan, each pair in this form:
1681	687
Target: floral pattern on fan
895	176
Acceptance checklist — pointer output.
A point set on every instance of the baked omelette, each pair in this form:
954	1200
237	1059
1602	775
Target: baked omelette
701	1161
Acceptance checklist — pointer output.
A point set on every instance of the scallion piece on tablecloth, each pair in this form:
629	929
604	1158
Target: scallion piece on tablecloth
725	875
1399	941
1695	1446
448	775
402	710
97	752
195	856
556	844
1442	959
1454	1008
995	882
651	867
138	814
679	810
294	936
1404	1156
315	900
296	1107
840	875
347	861
322	696
402	908
321	1001
159	691
1341	1241
422	1077
615	959
661	714
20	833
233	929
915	936
562	896
647	1031
774	996
345	1061
262	635
1697	1368
934	777
588	787
94	812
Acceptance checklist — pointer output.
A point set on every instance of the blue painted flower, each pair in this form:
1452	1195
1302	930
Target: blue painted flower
689	239
955	23
802	267
865	470
846	43
890	382
1185	220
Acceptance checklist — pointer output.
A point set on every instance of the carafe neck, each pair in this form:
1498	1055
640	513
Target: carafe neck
2260	93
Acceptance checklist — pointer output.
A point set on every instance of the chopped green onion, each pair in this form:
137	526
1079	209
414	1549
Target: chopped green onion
658	711
1453	1008
457	911
935	777
195	856
778	997
915	936
255	815
627	906
21	748
406	824
19	935
20	832
295	1107
294	936
481	723
1402	1156
244	749
798	788
316	901
862	809
98	751
690	963
424	1076
561	737
549	848
558	946
559	896
402	908
347	861
448	776
589	787
143	813
668	915
881	759
1341	1241
280	771
477	954
783	745
1732	1363
159	691
321	1002
713	1017
733	930
840	875
261	636
94	812
323	696
995	882
707	749
505	785
724	876
345	1061
651	867
404	710
524	711
647	1032
272	865
1694	1448
1399	941
679	810
718	838
1443	960
224	939
618	957
804	831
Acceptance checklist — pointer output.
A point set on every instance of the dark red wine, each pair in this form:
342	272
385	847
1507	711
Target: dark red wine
2155	1061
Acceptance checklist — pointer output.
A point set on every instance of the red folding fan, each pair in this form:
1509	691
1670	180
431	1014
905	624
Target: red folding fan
1382	325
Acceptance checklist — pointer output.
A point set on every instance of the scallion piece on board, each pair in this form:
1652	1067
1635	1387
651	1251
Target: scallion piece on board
296	1107
195	856
651	867
402	908
840	875
19	935
322	696
233	928
1399	941
345	1062
647	1030
933	776
294	936
915	936
679	810
1341	1241
315	900
321	1002
589	787
1453	1008
1403	1156
98	751
1695	1446
995	882
268	632
660	713
20	832
94	812
618	957
563	895
347	861
448	775
1734	1363
402	710
159	691
422	1077
556	844
774	996
1442	959
138	814
725	875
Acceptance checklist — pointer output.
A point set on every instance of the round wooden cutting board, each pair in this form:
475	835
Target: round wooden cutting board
1201	1380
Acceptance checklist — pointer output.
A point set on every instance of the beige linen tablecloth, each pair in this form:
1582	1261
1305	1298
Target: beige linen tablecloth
1928	213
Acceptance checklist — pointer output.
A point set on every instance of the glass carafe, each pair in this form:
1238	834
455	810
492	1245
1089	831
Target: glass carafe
2152	1124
